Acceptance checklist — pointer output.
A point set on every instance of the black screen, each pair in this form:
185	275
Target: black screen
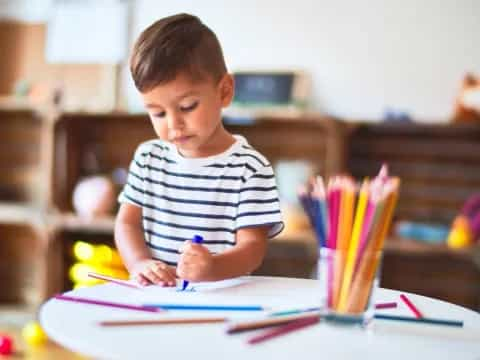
268	88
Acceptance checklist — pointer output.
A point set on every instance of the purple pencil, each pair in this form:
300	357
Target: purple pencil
107	303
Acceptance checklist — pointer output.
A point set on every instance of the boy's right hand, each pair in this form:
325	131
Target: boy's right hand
149	271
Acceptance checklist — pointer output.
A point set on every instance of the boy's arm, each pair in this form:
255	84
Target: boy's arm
135	254
129	235
197	264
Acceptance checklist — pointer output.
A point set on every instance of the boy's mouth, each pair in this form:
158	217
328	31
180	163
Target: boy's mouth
182	139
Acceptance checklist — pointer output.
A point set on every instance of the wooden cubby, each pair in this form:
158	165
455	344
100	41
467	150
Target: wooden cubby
24	157
23	255
438	165
439	169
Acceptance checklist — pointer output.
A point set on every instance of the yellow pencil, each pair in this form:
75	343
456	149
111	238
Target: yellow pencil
362	285
353	246
362	280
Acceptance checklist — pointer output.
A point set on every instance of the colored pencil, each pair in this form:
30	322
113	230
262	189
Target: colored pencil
106	303
392	188
353	245
367	263
371	212
205	307
412	307
114	280
162	321
267	322
323	205
378	306
294	311
361	285
346	214
423	320
319	217
387	305
285	329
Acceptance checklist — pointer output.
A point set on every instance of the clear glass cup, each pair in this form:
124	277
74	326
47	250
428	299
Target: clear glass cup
347	288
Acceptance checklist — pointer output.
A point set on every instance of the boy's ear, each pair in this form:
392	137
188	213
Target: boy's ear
227	89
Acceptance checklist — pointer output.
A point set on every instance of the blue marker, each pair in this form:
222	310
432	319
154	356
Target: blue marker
197	239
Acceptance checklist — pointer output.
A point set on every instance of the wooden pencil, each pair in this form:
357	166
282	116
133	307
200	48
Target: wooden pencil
346	214
365	272
162	321
285	329
268	322
412	307
361	285
353	245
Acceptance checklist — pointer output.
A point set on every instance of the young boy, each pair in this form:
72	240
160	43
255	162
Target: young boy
197	178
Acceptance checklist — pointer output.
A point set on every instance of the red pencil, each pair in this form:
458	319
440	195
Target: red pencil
285	329
412	307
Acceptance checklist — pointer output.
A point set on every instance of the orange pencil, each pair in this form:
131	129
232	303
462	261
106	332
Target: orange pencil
344	233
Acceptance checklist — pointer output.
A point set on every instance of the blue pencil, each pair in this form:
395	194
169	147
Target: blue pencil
206	307
420	320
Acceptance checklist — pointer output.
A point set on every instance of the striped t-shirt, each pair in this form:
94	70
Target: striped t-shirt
212	197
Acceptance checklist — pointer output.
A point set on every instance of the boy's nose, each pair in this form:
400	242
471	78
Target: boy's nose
175	122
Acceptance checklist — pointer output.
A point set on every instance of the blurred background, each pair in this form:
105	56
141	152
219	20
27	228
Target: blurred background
322	88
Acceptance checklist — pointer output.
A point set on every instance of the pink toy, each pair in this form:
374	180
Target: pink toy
94	196
6	345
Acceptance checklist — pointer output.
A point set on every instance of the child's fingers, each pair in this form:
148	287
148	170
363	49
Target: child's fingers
166	271
139	278
151	275
193	249
187	245
163	273
187	258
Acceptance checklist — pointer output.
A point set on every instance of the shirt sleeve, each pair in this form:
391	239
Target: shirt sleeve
134	190
259	204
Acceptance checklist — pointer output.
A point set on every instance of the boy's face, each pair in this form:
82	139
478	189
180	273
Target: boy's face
188	114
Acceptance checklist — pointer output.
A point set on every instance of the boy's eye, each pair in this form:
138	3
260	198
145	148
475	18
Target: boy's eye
189	107
159	114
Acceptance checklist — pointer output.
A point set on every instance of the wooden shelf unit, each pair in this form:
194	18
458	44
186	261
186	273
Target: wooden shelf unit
437	165
439	169
24	198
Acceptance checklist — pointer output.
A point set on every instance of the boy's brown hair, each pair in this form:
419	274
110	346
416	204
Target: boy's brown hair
174	44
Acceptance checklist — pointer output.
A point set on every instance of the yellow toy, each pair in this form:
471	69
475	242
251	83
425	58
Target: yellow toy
461	235
465	229
33	334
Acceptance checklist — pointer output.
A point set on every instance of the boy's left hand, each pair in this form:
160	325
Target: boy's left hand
196	262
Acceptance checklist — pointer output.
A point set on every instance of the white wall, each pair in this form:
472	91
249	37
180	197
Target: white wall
363	56
31	11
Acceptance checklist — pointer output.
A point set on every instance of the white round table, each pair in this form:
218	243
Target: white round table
75	326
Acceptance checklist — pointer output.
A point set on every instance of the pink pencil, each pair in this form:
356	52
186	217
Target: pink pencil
386	305
285	329
106	303
412	307
114	280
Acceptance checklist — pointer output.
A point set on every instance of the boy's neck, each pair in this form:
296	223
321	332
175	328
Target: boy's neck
219	142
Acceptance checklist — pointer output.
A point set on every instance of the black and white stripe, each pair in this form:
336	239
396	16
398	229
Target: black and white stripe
213	199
